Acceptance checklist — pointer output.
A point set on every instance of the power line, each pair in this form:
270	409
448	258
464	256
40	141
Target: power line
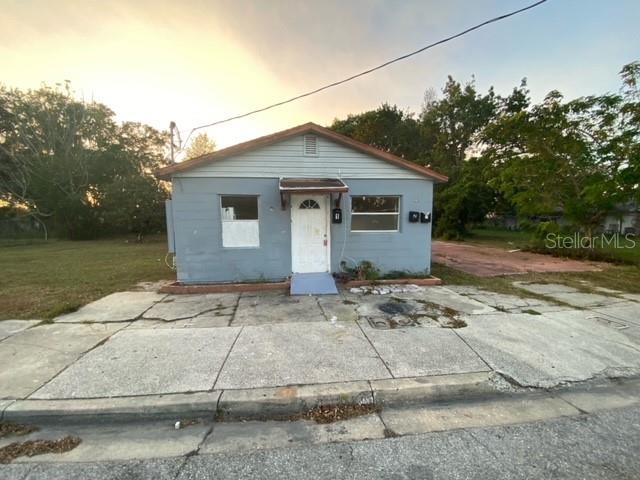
370	70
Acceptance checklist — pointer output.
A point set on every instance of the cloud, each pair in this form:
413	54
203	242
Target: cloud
197	61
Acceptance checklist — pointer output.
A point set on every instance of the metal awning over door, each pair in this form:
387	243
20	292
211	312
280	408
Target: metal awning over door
310	186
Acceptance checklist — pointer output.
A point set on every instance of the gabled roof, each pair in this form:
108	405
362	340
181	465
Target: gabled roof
167	172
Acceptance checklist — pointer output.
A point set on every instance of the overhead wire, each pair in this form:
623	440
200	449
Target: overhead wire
369	70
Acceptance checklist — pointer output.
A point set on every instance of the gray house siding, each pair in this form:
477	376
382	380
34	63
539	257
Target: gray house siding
286	159
194	214
407	250
200	257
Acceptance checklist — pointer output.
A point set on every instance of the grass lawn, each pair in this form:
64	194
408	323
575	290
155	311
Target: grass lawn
41	280
520	239
506	239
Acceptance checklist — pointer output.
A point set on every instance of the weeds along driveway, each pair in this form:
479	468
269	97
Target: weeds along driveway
135	343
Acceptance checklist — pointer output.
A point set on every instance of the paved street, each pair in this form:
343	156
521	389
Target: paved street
602	445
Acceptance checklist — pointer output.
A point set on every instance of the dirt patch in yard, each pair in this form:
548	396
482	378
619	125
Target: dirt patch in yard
32	448
489	262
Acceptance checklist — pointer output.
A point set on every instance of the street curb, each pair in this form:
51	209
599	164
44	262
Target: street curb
265	403
441	388
258	403
117	409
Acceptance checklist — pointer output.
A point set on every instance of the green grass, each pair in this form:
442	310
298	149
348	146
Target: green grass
41	280
506	239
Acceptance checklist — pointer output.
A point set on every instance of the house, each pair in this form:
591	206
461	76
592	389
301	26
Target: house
299	202
624	219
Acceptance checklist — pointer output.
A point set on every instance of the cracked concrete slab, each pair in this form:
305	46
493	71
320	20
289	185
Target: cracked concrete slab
448	298
343	309
277	308
415	352
549	349
545	288
300	353
569	295
11	327
581	299
117	307
178	307
145	362
392	311
128	441
627	312
254	435
504	302
201	321
36	355
609	291
634	297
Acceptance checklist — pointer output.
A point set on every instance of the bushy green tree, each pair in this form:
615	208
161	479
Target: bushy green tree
387	128
60	154
451	125
576	157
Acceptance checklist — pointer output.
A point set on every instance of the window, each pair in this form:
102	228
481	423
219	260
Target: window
307	204
375	214
239	221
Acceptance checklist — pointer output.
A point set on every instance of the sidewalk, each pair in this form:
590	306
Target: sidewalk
139	353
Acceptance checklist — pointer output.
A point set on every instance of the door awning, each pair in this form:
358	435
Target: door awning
312	185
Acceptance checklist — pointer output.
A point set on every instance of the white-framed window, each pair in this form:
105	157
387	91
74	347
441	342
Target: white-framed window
239	215
375	213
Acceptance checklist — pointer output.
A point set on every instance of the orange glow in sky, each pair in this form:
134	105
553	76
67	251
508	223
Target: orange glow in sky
195	62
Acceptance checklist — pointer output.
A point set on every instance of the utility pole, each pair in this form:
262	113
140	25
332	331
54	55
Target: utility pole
172	127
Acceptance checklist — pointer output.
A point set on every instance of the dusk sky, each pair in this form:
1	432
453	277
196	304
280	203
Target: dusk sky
200	61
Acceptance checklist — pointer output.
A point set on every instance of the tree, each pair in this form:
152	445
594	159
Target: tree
451	126
201	145
445	136
387	128
134	203
578	157
59	154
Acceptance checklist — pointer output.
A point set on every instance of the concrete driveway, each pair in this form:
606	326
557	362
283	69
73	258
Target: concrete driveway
133	343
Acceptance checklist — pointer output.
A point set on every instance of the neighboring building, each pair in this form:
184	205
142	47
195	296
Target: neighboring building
300	201
624	219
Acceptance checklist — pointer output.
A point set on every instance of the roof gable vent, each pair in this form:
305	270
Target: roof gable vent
311	145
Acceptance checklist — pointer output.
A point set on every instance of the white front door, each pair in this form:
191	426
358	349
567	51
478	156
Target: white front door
309	233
